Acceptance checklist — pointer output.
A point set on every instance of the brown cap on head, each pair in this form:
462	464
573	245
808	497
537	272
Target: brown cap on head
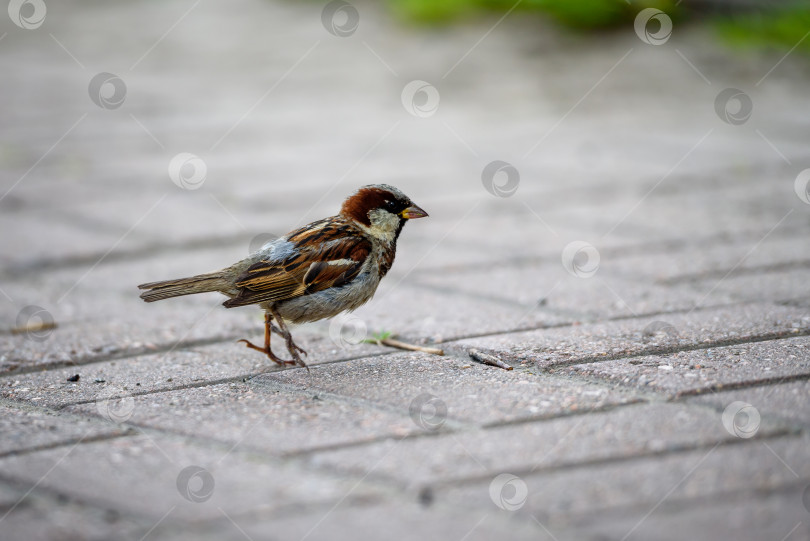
380	196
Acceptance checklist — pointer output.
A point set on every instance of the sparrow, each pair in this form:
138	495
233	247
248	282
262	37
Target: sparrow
324	268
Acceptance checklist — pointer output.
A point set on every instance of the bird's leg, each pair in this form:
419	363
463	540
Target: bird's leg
292	347
268	326
285	333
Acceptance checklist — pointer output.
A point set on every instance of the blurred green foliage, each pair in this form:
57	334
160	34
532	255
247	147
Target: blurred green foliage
774	29
782	29
578	14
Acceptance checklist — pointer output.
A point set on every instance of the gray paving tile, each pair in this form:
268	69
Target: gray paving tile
66	239
9	495
167	213
687	372
141	474
45	517
784	400
708	261
621	433
417	314
470	232
778	516
424	385
255	416
801	302
616	339
686	214
540	224
588	494
160	371
409	520
585	298
24	427
773	286
98	314
76	342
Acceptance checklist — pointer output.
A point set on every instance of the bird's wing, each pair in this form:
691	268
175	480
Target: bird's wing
326	254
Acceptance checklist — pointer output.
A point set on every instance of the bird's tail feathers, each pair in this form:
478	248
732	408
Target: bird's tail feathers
166	289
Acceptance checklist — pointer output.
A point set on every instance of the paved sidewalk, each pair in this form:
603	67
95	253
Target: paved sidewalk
622	219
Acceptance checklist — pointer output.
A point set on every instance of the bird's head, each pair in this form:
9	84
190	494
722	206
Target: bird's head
382	210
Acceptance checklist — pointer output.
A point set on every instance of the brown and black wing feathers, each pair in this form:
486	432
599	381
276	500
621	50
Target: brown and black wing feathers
327	254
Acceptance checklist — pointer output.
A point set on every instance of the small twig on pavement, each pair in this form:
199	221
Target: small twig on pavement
34	327
486	358
411	347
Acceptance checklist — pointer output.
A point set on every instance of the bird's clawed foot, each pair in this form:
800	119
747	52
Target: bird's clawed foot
267	351
295	352
293	346
281	330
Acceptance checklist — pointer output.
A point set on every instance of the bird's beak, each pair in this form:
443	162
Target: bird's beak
413	212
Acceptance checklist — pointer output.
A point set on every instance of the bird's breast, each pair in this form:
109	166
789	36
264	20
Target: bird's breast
331	301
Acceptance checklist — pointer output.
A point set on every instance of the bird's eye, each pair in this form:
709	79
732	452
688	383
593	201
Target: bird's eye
390	205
